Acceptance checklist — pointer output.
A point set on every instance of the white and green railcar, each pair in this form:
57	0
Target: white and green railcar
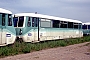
33	27
7	30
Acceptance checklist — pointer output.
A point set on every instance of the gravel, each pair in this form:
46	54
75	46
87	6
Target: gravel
73	52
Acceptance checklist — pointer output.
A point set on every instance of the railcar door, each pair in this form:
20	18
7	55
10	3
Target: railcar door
35	24
3	27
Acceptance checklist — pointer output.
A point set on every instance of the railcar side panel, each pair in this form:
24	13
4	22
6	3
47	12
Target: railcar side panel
51	34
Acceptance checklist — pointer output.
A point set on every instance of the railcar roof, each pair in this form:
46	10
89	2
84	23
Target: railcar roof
88	23
5	11
47	17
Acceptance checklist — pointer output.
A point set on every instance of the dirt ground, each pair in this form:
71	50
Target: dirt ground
72	52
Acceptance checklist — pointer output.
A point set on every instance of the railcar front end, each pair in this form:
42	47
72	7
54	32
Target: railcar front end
7	30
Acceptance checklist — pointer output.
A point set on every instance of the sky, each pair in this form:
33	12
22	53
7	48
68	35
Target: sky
72	9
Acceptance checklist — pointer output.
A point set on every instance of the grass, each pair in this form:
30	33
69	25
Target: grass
22	47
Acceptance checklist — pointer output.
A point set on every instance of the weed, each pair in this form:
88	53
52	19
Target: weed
22	47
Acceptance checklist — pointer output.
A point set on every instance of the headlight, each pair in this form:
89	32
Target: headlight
20	32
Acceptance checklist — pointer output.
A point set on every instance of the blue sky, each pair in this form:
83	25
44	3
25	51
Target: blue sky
73	9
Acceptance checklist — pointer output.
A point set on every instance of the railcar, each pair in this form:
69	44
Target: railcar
86	28
32	27
7	30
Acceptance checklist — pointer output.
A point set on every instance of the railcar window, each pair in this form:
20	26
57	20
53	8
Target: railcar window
9	20
15	20
56	23
80	25
76	25
70	24
3	19
88	26
35	21
21	20
29	22
84	26
63	24
45	23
